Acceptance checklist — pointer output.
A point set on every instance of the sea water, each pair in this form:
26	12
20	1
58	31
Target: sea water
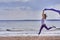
27	26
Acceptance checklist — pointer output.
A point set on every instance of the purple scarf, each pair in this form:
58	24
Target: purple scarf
58	11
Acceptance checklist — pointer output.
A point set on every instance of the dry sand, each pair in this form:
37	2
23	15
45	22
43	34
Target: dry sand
31	38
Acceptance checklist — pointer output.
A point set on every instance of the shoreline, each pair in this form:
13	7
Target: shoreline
31	38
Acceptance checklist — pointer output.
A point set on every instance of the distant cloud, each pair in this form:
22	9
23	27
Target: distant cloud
18	13
56	6
26	9
14	0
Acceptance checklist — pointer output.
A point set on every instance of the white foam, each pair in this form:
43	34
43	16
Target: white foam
29	33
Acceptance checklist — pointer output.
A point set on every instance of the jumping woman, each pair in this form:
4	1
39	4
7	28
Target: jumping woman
43	22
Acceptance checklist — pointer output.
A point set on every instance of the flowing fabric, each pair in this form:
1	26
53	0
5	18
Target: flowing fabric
58	11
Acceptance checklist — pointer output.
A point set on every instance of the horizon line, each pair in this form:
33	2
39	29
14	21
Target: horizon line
33	20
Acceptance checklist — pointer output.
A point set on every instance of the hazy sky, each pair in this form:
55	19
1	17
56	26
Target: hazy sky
27	9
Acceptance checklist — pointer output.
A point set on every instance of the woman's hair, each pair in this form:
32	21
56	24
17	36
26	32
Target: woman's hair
45	16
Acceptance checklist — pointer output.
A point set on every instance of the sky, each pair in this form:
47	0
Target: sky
27	9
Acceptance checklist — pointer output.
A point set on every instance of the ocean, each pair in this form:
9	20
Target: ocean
27	26
23	24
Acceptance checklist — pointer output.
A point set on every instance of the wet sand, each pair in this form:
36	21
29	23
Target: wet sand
31	38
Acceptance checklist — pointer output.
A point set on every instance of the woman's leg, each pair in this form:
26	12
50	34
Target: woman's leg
44	25
41	29
47	27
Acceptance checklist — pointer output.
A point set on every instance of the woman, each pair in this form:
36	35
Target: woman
44	23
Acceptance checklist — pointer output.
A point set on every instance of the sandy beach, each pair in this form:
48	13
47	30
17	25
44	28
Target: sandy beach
31	38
